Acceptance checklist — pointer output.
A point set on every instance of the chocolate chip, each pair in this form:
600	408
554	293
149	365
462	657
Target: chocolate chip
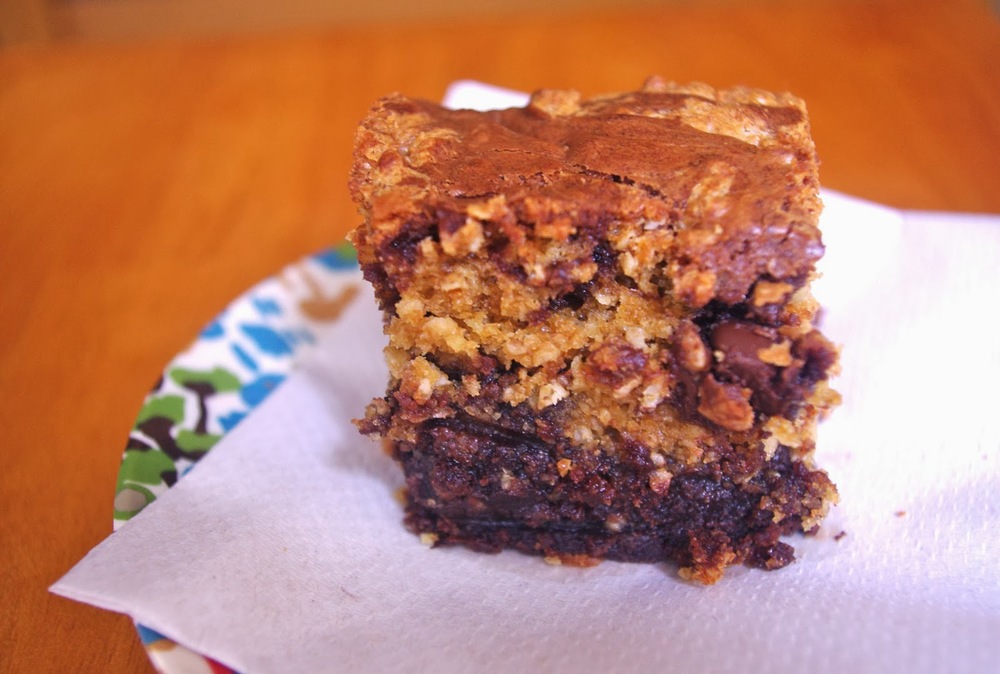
740	344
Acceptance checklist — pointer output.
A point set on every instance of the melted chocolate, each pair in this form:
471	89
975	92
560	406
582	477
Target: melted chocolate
740	343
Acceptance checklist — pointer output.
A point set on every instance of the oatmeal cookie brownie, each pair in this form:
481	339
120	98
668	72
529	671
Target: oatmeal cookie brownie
601	340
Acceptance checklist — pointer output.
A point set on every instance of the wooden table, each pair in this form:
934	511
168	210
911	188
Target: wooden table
144	186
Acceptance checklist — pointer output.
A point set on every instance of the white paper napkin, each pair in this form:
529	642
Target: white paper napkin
283	550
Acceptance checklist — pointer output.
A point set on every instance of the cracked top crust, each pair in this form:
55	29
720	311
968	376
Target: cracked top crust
725	180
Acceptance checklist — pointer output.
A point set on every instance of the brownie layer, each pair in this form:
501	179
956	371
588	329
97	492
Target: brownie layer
490	488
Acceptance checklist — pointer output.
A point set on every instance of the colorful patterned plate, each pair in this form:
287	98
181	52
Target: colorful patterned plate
206	390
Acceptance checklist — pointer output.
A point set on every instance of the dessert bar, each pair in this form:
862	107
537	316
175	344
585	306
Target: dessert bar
601	339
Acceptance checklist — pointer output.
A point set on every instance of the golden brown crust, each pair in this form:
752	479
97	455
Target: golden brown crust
725	183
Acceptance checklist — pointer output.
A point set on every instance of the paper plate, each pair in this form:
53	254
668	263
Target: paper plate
206	390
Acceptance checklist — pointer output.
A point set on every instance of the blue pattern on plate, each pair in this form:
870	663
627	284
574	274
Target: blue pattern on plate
213	330
255	392
340	257
245	357
267	306
267	339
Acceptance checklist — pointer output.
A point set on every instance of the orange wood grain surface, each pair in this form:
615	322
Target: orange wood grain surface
143	186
